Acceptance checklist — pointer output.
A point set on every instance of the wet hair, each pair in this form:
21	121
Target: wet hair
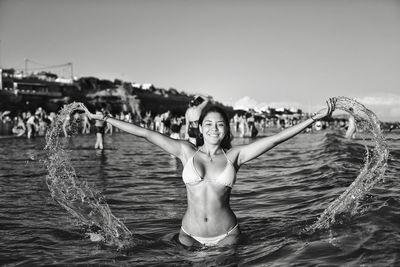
226	142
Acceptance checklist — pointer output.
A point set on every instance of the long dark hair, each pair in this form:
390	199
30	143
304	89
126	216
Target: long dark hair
226	142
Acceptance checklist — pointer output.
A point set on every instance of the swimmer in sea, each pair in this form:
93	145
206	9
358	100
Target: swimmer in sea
192	117
19	129
210	169
100	129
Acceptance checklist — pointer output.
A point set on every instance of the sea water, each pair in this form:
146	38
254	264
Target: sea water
284	201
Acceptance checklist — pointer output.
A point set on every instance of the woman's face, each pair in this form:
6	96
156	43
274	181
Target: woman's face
213	128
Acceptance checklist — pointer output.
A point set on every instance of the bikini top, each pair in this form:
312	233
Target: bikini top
227	177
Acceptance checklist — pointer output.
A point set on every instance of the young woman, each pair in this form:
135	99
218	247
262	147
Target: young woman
210	171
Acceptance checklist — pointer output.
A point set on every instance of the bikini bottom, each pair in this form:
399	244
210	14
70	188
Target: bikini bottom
210	241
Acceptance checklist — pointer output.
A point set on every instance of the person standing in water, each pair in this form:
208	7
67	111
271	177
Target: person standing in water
19	129
31	125
100	129
210	169
192	116
85	124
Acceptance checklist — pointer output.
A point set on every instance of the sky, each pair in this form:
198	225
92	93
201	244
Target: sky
245	54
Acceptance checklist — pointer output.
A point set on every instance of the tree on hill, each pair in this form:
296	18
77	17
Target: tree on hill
93	84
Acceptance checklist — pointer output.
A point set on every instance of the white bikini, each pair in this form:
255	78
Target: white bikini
209	241
227	178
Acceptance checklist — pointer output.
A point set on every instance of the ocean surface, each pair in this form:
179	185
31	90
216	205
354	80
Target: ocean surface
277	197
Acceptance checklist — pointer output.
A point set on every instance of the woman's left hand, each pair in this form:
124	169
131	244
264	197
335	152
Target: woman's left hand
331	105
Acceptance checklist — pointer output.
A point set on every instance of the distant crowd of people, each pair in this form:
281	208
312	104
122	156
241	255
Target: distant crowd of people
250	126
26	123
36	123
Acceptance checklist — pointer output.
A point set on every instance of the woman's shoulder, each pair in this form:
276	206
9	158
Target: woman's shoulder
188	149
233	152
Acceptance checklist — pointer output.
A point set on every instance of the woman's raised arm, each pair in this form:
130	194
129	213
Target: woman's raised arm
172	146
257	148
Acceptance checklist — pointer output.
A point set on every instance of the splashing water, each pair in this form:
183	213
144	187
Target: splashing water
85	204
372	171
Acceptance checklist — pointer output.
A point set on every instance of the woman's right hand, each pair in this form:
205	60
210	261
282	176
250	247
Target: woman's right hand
97	116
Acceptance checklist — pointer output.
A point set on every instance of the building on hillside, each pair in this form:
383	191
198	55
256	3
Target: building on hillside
47	76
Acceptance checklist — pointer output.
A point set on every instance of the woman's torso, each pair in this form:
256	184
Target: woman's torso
208	212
